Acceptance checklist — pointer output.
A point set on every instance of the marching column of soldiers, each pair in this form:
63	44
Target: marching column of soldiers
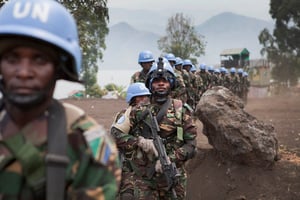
156	133
193	82
196	82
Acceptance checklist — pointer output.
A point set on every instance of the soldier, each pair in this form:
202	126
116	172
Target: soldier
216	80
171	58
240	87
245	85
49	150
210	73
137	95
146	60
191	82
198	85
145	177
179	91
223	76
180	94
178	65
204	77
233	81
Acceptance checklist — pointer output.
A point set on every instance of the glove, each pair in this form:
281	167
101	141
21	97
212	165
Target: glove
147	145
158	167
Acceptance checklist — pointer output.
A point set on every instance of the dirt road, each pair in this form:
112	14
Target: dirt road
211	179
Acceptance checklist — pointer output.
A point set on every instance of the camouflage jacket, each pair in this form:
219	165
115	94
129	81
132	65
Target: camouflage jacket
139	76
176	128
92	173
179	92
234	83
205	80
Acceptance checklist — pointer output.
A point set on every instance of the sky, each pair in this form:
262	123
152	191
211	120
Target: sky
204	8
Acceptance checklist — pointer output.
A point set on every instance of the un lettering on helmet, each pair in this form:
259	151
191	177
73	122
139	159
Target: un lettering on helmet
37	11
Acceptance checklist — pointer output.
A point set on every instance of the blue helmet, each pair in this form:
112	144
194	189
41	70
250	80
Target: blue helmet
240	71
136	89
202	66
161	69
245	74
145	56
217	71
232	70
210	68
46	21
193	69
170	57
178	61
187	62
223	70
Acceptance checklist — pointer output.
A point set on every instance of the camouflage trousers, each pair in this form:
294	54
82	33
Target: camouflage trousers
143	188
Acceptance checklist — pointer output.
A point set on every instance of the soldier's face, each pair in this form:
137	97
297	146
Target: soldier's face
147	65
140	100
28	75
172	63
187	68
178	67
160	85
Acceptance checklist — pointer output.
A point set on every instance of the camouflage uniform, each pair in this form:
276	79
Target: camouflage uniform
92	173
223	79
227	81
205	80
215	79
195	85
240	87
245	85
178	131
180	91
233	83
198	87
188	86
139	76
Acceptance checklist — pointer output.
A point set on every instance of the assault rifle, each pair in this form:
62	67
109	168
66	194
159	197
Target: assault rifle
169	168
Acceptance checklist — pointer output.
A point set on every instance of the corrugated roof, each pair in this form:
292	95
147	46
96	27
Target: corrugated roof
233	51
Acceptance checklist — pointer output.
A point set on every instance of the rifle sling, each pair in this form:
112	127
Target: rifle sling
163	110
56	158
160	114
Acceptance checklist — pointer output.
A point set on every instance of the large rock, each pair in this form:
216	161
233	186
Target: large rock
234	133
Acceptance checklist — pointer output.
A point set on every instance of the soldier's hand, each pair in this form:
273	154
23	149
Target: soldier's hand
147	145
158	167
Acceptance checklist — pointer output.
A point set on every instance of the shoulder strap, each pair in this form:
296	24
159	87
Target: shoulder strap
56	158
163	110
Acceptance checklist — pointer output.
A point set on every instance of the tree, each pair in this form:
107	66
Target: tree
92	19
283	46
182	39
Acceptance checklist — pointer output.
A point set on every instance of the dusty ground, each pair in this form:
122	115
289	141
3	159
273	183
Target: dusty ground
211	179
